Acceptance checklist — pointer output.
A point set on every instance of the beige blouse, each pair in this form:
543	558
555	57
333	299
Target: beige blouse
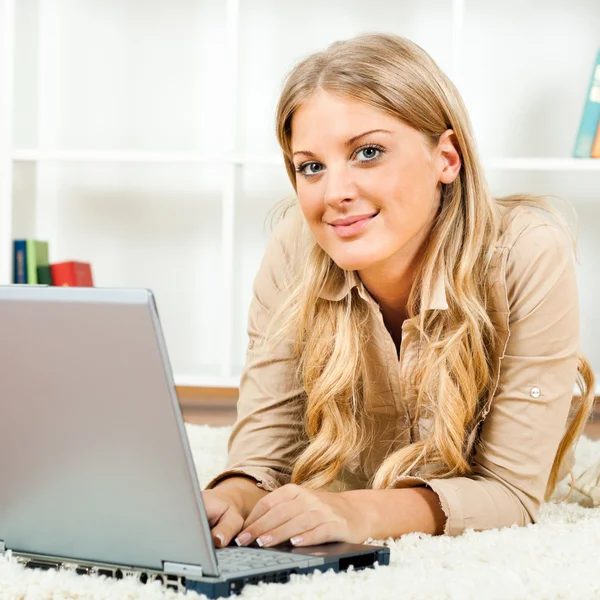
536	313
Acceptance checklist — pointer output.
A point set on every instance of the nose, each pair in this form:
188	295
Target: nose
339	187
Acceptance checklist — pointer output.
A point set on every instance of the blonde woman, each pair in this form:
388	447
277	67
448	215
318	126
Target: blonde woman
414	342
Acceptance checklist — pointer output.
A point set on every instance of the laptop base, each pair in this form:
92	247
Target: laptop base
357	557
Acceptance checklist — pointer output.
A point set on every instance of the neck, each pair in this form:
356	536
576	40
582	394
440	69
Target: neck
390	283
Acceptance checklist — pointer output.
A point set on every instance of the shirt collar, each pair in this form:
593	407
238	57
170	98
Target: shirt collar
337	290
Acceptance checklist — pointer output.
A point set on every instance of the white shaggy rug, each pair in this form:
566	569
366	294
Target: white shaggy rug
557	558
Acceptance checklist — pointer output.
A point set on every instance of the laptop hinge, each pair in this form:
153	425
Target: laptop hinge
182	569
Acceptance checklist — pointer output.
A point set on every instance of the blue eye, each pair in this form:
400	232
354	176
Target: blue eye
365	154
369	153
310	168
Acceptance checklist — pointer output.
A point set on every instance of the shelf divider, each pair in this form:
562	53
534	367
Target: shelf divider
517	163
542	164
230	186
116	156
458	19
7	25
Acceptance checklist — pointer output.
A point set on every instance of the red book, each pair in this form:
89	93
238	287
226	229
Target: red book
72	273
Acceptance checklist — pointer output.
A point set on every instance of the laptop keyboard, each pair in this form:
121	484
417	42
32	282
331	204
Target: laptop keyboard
233	560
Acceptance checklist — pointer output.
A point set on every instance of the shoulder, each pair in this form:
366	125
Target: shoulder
535	251
289	233
285	247
525	229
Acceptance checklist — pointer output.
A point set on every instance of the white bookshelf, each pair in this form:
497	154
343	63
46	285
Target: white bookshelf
139	135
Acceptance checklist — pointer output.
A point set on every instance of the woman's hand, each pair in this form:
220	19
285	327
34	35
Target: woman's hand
228	504
224	516
305	517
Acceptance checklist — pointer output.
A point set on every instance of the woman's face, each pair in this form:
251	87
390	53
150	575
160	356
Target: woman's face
368	184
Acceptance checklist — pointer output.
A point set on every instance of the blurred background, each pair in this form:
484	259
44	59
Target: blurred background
138	136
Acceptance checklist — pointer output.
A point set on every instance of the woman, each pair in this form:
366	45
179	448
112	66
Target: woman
413	341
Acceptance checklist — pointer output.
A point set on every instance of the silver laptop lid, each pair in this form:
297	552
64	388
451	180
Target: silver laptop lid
96	463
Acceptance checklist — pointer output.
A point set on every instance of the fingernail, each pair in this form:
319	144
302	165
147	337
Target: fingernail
242	539
296	540
221	538
265	539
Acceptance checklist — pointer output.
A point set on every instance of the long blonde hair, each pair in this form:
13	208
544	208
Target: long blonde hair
454	377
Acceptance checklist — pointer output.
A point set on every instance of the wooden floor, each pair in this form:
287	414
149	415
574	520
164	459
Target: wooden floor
217	407
592	429
208	406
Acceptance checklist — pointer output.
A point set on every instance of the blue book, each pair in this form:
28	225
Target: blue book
591	116
20	261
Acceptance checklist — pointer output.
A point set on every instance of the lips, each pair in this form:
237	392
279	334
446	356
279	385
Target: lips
351	226
352	220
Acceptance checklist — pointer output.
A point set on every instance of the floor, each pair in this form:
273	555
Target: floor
217	407
592	429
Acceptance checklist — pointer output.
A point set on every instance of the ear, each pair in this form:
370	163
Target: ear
449	156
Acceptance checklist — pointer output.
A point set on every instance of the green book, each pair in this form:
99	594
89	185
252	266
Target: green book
37	261
44	274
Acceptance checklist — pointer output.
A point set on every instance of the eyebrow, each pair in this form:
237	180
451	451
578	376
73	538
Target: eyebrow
348	143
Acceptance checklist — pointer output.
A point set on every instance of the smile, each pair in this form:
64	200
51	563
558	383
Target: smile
353	228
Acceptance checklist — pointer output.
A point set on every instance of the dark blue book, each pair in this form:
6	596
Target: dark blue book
20	261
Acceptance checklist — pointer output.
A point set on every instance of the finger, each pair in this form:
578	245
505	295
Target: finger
214	511
276	517
296	527
321	534
229	525
270	501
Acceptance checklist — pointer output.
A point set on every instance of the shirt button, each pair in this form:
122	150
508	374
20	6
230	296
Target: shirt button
250	344
535	392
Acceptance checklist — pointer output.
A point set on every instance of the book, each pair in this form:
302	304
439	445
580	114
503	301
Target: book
44	275
37	256
19	261
596	144
591	115
30	262
72	274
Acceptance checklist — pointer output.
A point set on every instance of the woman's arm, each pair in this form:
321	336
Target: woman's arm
392	513
520	435
307	517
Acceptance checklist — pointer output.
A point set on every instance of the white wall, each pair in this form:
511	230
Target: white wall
155	76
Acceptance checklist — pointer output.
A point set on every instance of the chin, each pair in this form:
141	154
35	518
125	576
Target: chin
355	255
352	263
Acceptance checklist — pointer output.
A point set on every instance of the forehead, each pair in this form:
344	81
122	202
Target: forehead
327	116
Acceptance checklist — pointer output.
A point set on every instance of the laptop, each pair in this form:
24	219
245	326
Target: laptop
100	477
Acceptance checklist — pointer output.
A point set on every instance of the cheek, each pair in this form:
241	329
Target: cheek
311	202
381	184
406	219
410	196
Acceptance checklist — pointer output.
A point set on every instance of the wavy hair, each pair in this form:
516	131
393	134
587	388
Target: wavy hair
455	375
